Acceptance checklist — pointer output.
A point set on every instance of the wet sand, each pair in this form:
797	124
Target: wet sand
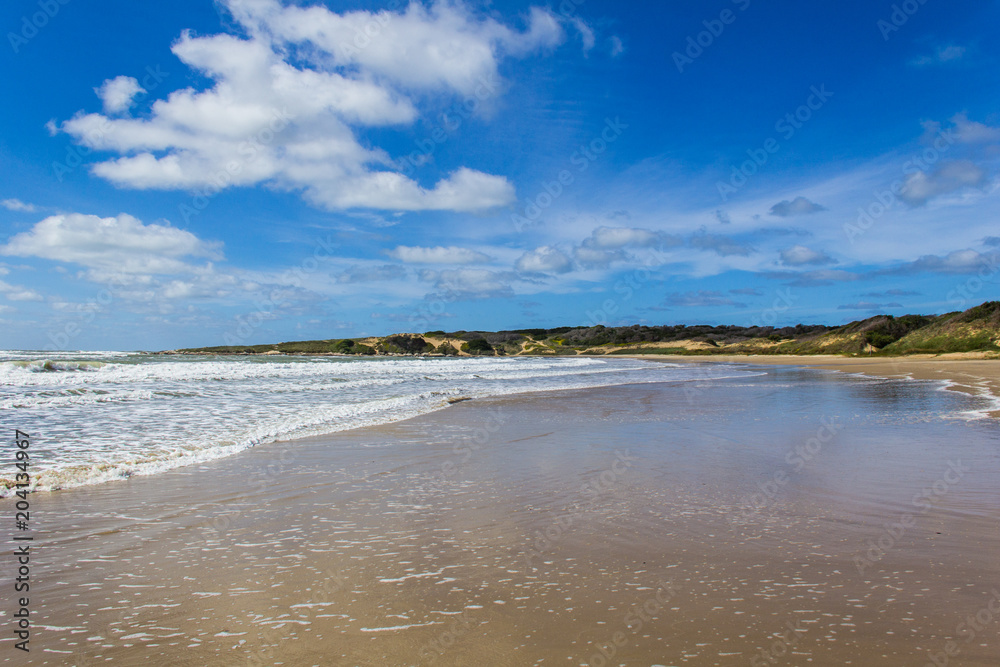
790	518
973	373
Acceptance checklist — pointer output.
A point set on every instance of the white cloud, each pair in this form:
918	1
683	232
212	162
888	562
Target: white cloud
443	46
719	244
371	274
117	93
818	277
18	293
121	244
545	259
612	238
437	255
951	176
593	258
701	299
800	255
474	283
797	206
971	132
287	104
617	47
17	205
868	305
586	34
943	54
957	262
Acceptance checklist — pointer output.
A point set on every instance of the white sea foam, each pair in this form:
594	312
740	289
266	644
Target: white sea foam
97	417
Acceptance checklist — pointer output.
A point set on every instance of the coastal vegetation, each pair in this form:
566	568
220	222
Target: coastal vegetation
973	330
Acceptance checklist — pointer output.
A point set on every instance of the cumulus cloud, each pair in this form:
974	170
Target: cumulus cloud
18	293
950	176
972	132
608	244
17	205
797	206
702	298
614	238
473	284
438	255
800	255
594	258
287	104
122	243
545	259
957	262
117	93
443	46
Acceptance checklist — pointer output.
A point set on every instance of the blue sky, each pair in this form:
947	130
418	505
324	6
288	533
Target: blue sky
246	171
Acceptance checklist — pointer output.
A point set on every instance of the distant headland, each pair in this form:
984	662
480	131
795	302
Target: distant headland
974	330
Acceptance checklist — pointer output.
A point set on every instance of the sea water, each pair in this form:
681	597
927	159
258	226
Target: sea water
99	416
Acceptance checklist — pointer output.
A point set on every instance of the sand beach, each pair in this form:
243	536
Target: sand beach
790	517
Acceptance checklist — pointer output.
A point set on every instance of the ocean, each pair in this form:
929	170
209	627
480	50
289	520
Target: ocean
95	417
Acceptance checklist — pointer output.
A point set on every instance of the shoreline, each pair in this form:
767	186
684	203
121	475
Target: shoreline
968	373
526	527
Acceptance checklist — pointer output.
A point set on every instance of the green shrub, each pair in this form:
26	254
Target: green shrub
406	345
447	349
345	346
477	346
